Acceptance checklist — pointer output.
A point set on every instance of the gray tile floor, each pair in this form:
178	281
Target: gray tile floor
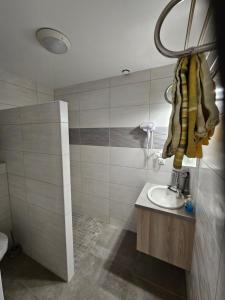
107	267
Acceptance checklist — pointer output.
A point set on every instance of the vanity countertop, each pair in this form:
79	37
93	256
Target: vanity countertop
144	202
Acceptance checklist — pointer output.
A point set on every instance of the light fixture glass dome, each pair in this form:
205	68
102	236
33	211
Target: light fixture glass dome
53	40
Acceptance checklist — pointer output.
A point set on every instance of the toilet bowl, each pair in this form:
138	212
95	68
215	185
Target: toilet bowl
3	245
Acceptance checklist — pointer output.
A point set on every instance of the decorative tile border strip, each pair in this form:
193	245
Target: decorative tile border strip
127	137
74	136
94	136
116	137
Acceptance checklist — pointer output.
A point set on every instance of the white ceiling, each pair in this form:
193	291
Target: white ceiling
106	36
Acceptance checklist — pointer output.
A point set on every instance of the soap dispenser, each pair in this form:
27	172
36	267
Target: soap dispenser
188	204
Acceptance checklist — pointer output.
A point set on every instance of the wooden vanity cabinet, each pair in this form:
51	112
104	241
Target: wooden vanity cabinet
168	237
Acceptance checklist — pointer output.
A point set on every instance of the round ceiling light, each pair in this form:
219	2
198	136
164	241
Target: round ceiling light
53	40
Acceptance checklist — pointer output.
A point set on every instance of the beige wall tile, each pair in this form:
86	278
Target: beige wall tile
14	161
10	116
83	87
96	188
42	138
95	206
95	171
130	116
126	194
128	157
159	177
45	195
94	118
75	152
95	99
72	100
160	114
128	176
16	95
131	94
43	167
5	211
44	113
158	88
162	72
95	154
10	137
74	119
16	80
44	98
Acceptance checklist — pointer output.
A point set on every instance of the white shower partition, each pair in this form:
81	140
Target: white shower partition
34	142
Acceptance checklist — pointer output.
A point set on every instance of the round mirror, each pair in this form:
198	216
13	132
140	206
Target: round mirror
168	94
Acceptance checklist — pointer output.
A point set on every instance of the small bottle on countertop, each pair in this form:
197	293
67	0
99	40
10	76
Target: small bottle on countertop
188	204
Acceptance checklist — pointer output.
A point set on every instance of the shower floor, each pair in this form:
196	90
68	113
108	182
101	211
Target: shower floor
107	267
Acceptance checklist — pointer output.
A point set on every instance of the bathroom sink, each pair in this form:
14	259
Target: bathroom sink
161	196
3	245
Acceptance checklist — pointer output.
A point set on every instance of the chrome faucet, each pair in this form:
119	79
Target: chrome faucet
179	193
174	181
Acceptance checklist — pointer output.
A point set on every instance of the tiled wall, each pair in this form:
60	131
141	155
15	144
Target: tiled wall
34	142
108	161
16	91
206	279
5	212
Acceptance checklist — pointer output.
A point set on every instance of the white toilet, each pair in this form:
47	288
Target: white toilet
3	249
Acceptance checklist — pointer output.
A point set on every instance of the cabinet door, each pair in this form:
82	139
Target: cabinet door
165	236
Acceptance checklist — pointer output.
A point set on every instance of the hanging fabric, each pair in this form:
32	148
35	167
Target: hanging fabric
194	113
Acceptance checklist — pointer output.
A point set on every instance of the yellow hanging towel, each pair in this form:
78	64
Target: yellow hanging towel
194	114
177	163
192	107
174	130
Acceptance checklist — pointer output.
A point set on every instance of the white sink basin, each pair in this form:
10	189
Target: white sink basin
3	245
160	195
